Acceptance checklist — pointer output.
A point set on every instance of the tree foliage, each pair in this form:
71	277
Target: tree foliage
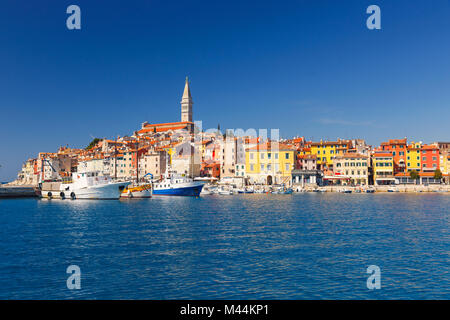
437	174
414	175
93	143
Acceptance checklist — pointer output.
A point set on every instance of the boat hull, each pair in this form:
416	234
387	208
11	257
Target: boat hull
110	191
139	192
187	191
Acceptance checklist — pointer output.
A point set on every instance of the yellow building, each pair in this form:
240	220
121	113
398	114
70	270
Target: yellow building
269	163
326	151
383	168
444	163
413	156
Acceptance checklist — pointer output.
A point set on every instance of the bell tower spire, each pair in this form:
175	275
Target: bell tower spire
186	103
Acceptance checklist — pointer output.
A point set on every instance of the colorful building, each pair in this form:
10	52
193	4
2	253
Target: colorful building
269	163
429	158
383	168
354	167
327	150
398	149
413	156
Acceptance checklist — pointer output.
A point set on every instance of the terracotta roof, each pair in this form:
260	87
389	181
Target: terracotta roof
382	154
429	147
162	129
167	123
268	146
307	156
352	155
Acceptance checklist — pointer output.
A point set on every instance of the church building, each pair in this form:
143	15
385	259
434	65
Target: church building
186	117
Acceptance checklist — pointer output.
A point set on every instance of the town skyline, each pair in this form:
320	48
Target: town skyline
305	69
245	157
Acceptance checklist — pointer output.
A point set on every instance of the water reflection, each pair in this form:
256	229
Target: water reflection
301	246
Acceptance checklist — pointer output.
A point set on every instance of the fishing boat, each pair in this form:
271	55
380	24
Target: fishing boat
286	191
283	190
245	190
172	184
137	191
207	190
226	192
87	185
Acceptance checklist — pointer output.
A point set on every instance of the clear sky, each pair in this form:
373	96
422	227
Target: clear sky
309	68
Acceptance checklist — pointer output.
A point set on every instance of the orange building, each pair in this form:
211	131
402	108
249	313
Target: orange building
429	158
398	149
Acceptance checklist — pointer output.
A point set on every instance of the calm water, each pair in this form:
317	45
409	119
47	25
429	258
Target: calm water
301	246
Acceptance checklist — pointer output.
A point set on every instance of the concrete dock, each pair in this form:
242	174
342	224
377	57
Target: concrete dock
17	192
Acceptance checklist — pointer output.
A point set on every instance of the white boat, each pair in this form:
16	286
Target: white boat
137	192
176	185
208	189
88	185
223	191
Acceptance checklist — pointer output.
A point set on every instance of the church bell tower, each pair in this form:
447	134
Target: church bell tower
186	103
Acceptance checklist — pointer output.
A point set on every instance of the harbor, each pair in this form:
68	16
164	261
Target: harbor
245	246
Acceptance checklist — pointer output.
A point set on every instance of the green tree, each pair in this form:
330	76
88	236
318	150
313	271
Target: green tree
437	174
414	175
93	143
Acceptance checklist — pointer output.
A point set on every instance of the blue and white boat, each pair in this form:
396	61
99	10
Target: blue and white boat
175	185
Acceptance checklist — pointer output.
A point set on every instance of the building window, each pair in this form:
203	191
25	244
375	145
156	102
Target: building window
269	156
276	156
262	155
287	166
287	155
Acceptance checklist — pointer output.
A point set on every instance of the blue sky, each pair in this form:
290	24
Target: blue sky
309	68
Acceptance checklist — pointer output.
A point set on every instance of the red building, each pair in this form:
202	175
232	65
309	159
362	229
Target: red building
429	158
210	169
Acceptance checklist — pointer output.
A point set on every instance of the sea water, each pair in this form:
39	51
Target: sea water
249	246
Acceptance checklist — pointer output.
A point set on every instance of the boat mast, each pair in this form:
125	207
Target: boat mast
137	162
115	159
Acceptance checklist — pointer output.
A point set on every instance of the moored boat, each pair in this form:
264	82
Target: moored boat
137	192
87	185
174	185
